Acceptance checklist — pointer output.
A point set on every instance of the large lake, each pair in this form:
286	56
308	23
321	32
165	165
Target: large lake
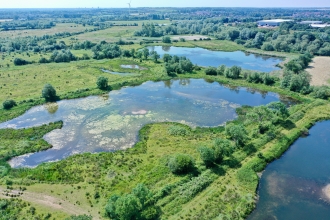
294	186
112	122
204	57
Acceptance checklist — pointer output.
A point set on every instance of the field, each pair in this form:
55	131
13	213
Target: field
319	69
59	28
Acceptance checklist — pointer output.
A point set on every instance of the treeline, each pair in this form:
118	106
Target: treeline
248	34
23	25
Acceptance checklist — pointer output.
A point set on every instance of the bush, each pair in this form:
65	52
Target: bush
102	83
177	130
8	104
49	93
20	62
207	155
211	71
233	72
43	60
181	163
221	70
166	39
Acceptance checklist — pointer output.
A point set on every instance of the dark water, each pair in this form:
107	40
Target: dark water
293	187
204	57
112	122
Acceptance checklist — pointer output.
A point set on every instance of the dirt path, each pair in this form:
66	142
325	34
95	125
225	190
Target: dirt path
320	71
45	200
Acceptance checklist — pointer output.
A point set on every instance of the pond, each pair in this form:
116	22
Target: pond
119	73
204	57
112	122
297	185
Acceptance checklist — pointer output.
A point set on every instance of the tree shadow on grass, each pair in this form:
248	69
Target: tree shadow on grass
288	124
217	169
232	163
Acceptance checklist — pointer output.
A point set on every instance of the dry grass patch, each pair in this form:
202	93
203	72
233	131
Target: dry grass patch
320	71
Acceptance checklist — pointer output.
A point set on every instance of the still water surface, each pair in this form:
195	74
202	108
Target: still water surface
294	186
112	122
204	57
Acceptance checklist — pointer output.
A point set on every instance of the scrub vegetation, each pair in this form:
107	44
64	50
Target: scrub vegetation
173	171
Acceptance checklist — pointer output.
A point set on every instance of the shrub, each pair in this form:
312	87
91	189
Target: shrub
221	147
177	130
49	93
166	39
8	104
207	155
211	71
102	83
221	70
20	62
181	163
233	72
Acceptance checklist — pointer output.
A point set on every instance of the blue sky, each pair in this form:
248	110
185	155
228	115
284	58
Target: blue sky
159	3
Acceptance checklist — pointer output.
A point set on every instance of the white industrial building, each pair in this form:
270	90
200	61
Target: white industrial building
273	22
311	22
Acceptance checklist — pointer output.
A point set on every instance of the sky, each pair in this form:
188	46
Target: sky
159	3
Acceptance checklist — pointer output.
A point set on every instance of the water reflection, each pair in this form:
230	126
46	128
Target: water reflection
204	57
112	122
297	185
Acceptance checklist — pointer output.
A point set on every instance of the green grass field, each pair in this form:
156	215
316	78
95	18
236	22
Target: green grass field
59	28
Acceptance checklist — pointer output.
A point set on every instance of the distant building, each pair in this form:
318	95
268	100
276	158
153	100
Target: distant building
311	22
320	25
273	22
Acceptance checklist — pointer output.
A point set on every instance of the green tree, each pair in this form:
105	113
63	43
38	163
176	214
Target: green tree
167	58
8	104
181	163
102	83
221	70
207	155
211	71
166	39
237	133
145	53
154	56
222	148
49	93
279	109
233	72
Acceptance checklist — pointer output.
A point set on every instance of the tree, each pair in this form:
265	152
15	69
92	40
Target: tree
261	115
166	39
167	58
49	93
211	71
207	155
233	72
127	207
222	148
20	62
221	70
145	53
279	109
8	104
154	56
102	83
181	163
233	34
237	133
